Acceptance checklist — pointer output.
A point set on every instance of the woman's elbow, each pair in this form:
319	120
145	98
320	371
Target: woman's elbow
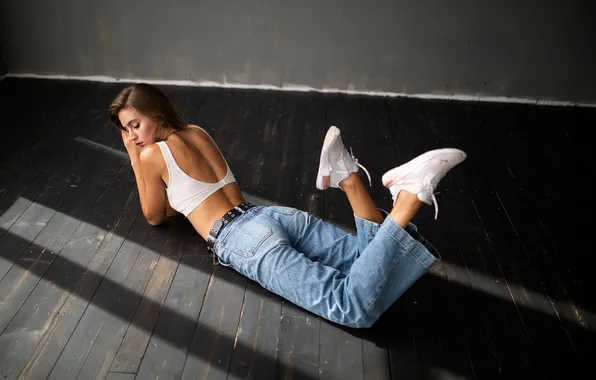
154	221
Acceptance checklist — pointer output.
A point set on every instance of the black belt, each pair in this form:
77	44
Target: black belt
221	223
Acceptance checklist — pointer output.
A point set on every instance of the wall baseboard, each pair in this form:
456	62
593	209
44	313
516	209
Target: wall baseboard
462	97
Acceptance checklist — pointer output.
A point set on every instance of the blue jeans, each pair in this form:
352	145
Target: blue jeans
350	280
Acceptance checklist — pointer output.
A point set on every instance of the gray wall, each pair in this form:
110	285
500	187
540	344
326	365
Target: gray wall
529	49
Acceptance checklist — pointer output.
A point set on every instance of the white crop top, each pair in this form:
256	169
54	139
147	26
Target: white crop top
184	192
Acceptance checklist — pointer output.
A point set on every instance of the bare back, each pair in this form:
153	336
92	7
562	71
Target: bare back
197	155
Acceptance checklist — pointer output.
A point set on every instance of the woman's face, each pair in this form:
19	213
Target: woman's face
141	129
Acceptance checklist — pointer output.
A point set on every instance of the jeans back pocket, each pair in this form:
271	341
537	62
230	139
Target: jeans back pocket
246	238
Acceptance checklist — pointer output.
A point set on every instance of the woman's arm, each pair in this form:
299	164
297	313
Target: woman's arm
152	194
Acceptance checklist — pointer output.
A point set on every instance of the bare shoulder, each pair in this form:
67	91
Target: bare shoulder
151	155
198	131
202	135
206	144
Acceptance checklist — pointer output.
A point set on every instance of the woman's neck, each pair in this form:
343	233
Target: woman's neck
164	133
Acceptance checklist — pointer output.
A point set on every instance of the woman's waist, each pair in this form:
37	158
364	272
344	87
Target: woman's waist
211	210
231	216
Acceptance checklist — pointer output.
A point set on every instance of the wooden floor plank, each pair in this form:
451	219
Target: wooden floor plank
341	354
74	353
234	109
114	304
30	106
27	226
311	124
502	281
536	187
192	104
59	126
38	256
255	350
519	265
164	358
245	127
298	347
74	209
213	340
452	347
34	179
134	344
375	361
31	185
548	194
379	152
120	376
62	194
55	299
412	133
277	145
257	180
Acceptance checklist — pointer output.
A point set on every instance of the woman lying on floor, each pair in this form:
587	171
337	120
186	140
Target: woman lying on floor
350	280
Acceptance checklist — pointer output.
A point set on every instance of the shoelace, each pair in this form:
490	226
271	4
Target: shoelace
436	205
363	168
425	188
428	187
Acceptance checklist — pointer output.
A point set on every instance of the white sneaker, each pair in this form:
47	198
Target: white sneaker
421	175
336	163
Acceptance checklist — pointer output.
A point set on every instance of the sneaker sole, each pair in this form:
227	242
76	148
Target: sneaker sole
396	174
330	137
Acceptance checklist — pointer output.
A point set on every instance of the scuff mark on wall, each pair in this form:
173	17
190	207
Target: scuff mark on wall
103	44
103	39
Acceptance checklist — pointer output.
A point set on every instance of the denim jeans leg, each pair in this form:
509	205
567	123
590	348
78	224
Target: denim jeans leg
413	231
366	229
260	248
317	240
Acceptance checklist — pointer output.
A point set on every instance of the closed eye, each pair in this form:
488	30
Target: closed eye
136	125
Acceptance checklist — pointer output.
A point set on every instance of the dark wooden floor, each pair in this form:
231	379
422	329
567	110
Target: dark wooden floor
89	290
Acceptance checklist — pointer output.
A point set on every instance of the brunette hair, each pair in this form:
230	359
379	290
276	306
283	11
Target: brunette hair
148	100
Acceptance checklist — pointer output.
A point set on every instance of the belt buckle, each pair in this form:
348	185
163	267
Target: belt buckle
213	232
216	228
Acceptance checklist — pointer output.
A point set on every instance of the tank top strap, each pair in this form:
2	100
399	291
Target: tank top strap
167	153
168	158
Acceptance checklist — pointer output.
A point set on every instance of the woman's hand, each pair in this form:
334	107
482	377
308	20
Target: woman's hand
133	150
